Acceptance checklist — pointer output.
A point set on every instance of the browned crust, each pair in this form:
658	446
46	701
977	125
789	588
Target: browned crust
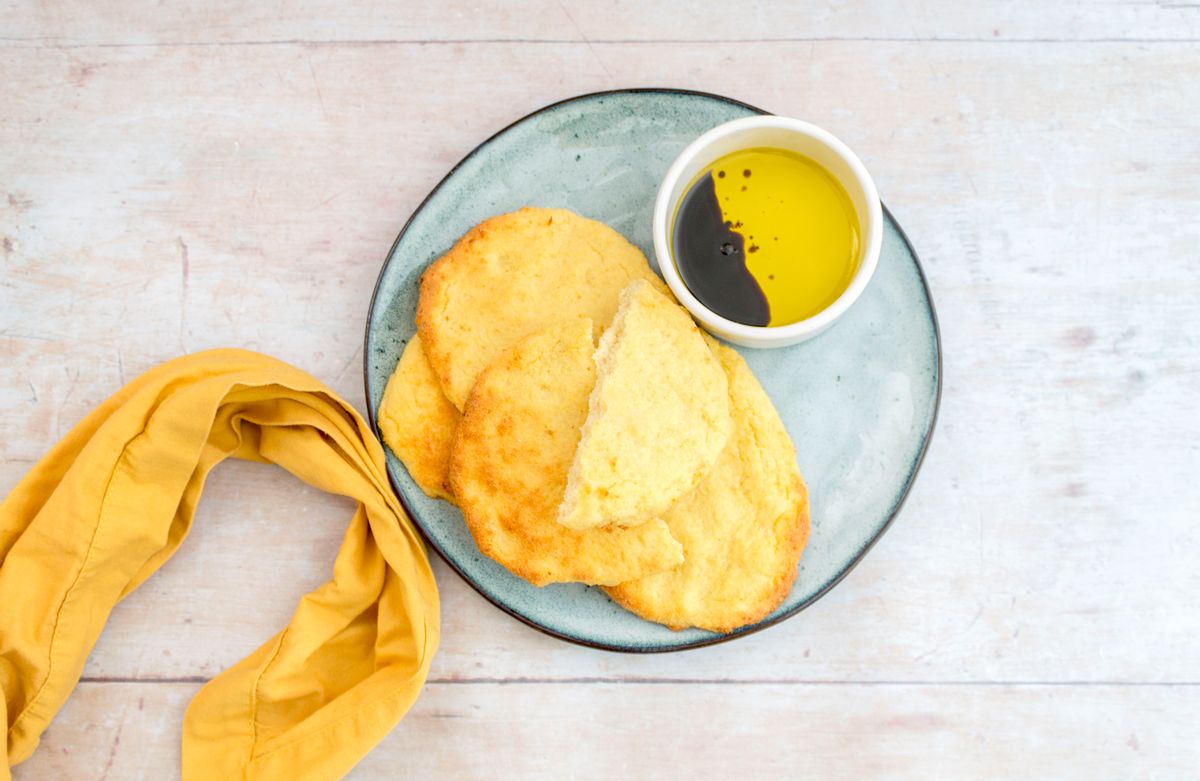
416	429
478	458
481	406
782	585
434	285
794	540
437	281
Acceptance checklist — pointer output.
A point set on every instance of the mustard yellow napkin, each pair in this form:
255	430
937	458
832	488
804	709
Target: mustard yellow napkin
114	499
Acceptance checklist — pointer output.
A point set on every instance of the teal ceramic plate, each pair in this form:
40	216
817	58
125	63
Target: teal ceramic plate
859	401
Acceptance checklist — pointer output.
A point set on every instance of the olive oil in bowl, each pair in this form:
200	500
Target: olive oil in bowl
765	237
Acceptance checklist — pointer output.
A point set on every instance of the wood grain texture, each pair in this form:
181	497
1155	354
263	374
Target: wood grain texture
141	22
130	732
164	197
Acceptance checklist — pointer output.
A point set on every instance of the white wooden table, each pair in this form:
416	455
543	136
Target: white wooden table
177	178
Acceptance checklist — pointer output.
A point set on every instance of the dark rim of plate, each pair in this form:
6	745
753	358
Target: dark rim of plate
714	639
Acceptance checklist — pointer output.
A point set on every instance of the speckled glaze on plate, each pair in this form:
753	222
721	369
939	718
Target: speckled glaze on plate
860	401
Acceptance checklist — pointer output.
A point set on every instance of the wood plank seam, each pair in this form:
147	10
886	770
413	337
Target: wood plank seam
633	681
48	44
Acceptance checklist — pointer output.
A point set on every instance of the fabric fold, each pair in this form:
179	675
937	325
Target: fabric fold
111	502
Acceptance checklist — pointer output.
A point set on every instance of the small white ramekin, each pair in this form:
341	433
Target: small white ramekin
781	133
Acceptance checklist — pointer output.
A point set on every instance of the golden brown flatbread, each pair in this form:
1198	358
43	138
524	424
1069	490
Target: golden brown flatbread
508	467
742	529
512	275
658	416
417	421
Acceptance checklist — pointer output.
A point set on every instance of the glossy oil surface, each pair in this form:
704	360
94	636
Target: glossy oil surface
766	225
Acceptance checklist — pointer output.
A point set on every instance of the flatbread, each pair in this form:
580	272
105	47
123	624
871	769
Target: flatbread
743	528
512	275
417	421
658	416
509	463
